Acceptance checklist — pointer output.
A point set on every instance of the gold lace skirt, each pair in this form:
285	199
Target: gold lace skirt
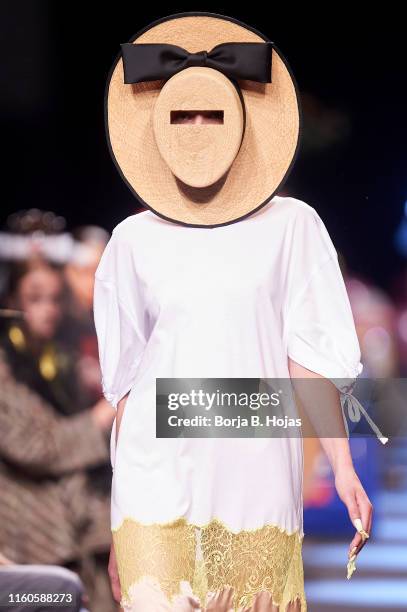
180	567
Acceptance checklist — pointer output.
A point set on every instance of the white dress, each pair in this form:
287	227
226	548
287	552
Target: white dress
195	519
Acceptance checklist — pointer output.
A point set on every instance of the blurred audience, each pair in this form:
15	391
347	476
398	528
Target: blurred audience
78	331
375	319
55	470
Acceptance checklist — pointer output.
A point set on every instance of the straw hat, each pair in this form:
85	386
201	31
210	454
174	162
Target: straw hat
202	175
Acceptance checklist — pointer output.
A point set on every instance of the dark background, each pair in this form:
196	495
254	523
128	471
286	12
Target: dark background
350	69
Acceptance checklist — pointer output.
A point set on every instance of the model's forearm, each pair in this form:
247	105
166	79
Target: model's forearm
338	453
120	409
328	425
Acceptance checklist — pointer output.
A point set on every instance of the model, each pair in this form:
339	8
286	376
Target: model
219	277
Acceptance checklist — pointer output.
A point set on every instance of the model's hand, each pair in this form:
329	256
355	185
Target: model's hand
353	495
114	575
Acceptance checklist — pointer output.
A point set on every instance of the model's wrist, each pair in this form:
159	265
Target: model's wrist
343	465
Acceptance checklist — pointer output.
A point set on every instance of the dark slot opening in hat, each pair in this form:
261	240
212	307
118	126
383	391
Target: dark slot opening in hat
189	116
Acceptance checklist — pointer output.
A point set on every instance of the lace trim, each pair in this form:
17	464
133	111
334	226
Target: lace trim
179	566
183	520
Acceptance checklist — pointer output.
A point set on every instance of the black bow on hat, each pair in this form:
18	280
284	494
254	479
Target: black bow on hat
238	60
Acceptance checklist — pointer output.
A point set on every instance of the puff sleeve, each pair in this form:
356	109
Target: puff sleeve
118	315
320	331
319	326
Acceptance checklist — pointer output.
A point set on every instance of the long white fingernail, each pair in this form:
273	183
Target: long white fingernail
359	528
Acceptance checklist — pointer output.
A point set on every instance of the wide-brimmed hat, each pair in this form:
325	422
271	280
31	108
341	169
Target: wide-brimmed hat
202	175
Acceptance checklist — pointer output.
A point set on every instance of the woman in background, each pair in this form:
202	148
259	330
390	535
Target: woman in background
53	448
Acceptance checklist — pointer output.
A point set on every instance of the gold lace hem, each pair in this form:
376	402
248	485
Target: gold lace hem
179	566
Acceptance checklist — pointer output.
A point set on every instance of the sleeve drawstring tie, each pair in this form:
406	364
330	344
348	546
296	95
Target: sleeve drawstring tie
355	410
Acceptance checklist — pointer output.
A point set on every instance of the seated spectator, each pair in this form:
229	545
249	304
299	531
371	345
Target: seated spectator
54	449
